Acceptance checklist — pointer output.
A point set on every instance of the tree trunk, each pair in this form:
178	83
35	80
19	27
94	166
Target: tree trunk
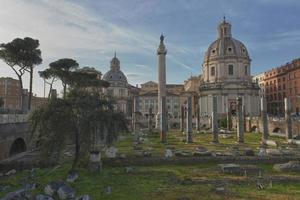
30	88
65	90
77	149
21	90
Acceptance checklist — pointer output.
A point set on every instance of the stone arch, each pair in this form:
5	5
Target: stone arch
18	146
277	130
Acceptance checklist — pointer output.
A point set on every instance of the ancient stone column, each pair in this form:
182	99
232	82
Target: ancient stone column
288	120
229	120
163	120
264	119
161	53
240	120
197	118
135	114
150	120
182	119
244	117
189	121
214	121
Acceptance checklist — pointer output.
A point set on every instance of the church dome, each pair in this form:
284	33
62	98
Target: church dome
115	75
226	45
226	59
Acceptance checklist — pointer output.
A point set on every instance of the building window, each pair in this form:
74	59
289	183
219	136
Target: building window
230	69
212	71
246	70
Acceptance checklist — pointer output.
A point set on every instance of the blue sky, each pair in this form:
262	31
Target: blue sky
90	31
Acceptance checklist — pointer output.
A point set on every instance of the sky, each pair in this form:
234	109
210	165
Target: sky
90	31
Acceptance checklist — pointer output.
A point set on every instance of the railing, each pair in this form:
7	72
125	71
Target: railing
13	118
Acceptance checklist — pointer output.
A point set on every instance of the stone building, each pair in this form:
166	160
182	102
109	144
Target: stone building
192	84
148	99
227	75
281	82
10	93
259	78
119	88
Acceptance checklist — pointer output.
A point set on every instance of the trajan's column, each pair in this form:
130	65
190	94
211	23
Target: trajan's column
162	112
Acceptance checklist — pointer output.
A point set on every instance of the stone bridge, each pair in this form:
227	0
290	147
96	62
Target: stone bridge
13	139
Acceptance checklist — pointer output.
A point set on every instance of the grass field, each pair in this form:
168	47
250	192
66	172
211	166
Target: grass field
162	182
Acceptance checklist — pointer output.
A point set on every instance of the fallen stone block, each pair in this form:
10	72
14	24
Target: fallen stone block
291	166
231	169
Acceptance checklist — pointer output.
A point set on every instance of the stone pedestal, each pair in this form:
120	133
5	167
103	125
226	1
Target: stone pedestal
95	164
214	121
264	119
189	121
288	120
240	120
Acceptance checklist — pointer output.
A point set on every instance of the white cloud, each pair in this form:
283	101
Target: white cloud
66	29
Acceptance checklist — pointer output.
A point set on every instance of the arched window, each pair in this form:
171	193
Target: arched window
246	70
212	71
230	69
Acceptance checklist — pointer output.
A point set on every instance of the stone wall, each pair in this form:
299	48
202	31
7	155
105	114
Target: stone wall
13	118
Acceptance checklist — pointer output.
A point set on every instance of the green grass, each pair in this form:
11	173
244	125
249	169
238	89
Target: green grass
252	140
153	183
160	181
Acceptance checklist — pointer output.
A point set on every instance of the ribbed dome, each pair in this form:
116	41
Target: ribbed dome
115	75
225	45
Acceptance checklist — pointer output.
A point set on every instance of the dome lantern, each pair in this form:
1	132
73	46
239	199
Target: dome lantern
224	29
115	63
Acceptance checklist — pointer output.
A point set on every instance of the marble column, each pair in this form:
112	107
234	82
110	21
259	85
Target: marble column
182	119
189	121
264	119
288	120
214	120
198	126
150	120
229	120
161	53
163	120
240	120
135	114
